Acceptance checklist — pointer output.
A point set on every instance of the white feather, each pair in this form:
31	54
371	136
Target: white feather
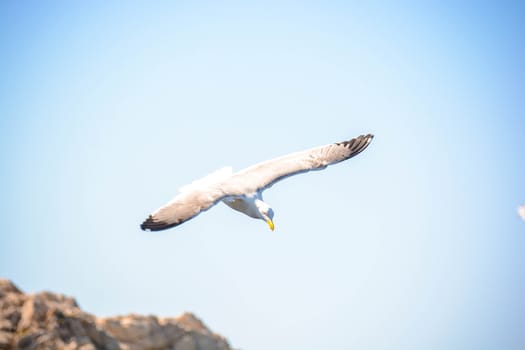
215	177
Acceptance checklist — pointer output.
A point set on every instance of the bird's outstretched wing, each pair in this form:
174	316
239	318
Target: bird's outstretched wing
263	175
193	199
183	207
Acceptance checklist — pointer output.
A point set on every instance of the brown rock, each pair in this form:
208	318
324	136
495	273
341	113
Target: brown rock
6	339
190	322
6	286
186	343
54	321
140	332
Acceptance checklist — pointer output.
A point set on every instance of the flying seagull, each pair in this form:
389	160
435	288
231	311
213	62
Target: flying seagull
242	191
521	212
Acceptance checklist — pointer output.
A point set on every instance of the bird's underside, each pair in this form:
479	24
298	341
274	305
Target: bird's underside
242	191
242	204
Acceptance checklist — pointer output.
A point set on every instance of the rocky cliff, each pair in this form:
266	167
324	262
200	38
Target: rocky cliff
54	321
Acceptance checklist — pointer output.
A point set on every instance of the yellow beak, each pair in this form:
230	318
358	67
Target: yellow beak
270	224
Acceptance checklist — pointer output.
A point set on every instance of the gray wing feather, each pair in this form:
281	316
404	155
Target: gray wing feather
265	174
182	208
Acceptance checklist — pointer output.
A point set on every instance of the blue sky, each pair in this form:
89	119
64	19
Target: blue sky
106	108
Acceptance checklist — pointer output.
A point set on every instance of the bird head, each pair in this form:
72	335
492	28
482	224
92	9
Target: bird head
266	213
268	217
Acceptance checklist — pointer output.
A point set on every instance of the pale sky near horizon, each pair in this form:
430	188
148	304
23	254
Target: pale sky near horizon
107	108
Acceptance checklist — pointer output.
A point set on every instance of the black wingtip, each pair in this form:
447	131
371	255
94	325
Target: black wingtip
361	143
357	144
150	224
146	225
367	137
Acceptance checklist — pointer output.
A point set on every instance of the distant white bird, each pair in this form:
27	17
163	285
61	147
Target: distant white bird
242	191
521	212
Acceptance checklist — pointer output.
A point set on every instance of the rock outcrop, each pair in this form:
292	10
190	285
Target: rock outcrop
54	321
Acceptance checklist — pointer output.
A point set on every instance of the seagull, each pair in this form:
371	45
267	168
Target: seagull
242	191
521	212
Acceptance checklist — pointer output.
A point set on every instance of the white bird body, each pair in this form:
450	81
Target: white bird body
248	204
242	190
